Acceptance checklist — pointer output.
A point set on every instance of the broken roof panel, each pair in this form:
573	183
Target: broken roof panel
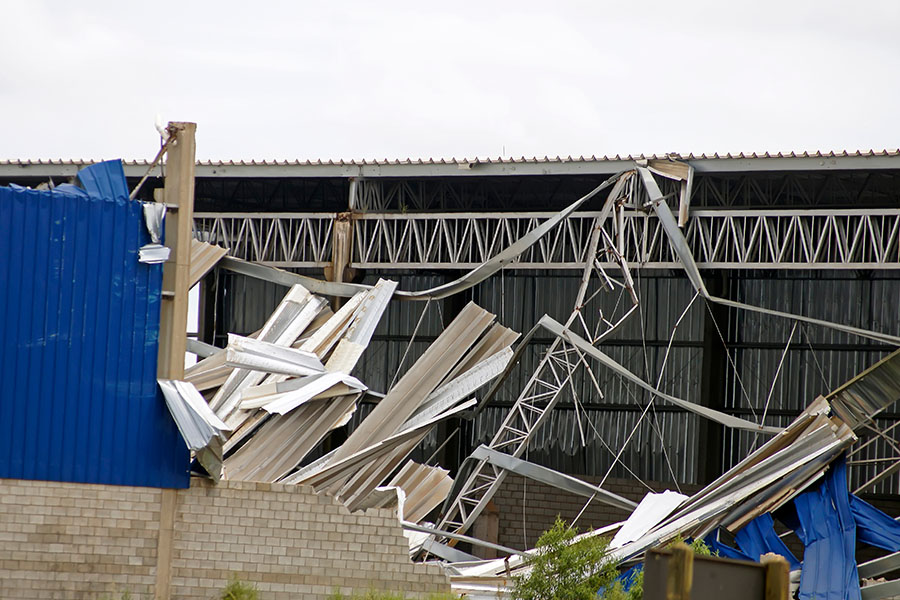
869	393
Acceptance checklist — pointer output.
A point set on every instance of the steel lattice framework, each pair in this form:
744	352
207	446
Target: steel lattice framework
530	411
719	239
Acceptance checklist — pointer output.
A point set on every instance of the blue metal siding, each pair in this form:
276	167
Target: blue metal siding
79	331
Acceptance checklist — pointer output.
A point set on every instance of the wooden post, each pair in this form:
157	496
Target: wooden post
681	573
179	196
341	253
165	543
777	577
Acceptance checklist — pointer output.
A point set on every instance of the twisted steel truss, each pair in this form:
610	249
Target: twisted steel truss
719	239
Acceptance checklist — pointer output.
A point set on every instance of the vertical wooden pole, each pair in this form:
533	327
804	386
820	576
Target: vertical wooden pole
165	543
179	196
680	579
341	253
777	577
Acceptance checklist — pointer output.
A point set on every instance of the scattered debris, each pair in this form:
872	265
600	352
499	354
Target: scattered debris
281	390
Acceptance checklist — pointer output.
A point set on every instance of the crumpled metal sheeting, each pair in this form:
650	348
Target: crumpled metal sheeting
426	374
204	257
828	532
424	488
258	355
328	471
196	422
869	393
282	441
760	483
202	430
758	537
209	373
295	312
287	395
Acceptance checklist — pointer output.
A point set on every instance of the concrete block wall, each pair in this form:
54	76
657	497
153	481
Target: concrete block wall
90	542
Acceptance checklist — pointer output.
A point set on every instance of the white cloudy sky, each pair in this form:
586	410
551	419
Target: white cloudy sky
395	79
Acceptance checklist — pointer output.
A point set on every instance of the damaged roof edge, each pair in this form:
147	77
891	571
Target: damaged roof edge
486	167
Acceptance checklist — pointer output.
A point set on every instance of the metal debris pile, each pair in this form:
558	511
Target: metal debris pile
273	397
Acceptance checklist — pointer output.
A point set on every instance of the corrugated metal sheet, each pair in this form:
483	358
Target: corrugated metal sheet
79	329
489	160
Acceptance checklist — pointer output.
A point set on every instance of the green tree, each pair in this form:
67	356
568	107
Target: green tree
563	569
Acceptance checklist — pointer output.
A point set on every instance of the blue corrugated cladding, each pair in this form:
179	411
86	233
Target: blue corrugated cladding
79	331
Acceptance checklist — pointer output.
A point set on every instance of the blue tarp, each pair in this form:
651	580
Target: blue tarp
873	527
758	537
80	322
828	532
831	520
720	549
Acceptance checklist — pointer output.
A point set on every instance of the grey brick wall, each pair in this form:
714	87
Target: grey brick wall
74	541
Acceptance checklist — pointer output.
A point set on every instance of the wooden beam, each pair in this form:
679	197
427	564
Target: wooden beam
681	573
165	544
179	196
777	577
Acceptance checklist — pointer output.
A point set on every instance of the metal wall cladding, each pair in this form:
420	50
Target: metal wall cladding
818	359
79	331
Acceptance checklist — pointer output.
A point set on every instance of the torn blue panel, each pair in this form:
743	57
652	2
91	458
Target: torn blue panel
80	322
758	537
104	180
828	531
721	549
874	527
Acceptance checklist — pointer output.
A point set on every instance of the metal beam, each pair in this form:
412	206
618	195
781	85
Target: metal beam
461	537
446	552
550	477
879	566
877	591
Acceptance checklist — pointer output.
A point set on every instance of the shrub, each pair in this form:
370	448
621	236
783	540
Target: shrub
565	570
239	590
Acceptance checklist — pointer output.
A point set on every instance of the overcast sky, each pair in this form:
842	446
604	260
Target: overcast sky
389	79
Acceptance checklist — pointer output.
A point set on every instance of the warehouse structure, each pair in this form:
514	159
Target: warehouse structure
815	235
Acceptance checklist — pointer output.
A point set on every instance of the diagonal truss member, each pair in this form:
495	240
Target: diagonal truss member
534	404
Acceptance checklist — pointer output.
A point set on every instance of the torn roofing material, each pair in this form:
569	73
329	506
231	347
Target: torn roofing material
197	423
202	430
204	257
295	312
869	393
427	373
258	355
